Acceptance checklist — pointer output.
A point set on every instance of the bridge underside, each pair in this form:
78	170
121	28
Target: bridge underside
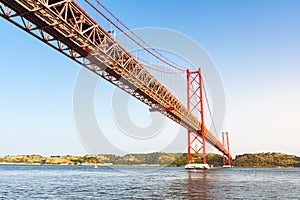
66	27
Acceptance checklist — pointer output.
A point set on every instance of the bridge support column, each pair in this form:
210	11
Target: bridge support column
196	140
225	141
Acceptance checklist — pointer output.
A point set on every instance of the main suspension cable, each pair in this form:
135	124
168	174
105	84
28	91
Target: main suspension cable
152	66
130	37
209	110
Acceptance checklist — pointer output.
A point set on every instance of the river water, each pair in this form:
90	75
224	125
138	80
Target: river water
87	182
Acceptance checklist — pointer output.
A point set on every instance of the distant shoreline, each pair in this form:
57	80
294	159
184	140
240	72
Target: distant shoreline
142	165
98	165
160	159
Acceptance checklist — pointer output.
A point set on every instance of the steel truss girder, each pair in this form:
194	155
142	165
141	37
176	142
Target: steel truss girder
66	27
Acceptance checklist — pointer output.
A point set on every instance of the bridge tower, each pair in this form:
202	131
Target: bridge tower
225	142
195	105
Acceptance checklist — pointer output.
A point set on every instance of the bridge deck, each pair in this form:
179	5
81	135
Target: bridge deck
65	26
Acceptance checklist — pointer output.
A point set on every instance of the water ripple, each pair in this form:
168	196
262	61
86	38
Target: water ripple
83	182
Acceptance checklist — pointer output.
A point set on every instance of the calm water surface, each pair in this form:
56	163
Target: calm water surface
86	182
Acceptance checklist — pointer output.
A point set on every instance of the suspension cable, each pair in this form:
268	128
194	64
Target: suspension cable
138	37
209	110
135	41
152	66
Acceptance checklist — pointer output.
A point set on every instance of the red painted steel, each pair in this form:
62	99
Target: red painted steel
194	79
225	142
189	108
66	27
202	115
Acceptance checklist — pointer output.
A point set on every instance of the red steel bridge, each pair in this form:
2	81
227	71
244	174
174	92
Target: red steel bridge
67	27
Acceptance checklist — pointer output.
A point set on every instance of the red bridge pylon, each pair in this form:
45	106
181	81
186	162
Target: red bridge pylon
225	141
195	105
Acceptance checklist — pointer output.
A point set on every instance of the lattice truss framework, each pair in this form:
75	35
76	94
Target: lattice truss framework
66	27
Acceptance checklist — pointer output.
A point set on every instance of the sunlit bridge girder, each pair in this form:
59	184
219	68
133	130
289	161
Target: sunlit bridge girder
65	26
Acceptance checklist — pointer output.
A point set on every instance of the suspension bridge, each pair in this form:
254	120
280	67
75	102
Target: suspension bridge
65	26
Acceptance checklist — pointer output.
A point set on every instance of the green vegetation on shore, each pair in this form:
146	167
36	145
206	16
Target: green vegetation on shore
159	158
266	160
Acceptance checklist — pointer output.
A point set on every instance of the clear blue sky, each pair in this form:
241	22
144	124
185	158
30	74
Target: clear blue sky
254	44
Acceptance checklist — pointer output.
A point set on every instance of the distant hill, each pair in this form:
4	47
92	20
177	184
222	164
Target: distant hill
158	158
266	160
